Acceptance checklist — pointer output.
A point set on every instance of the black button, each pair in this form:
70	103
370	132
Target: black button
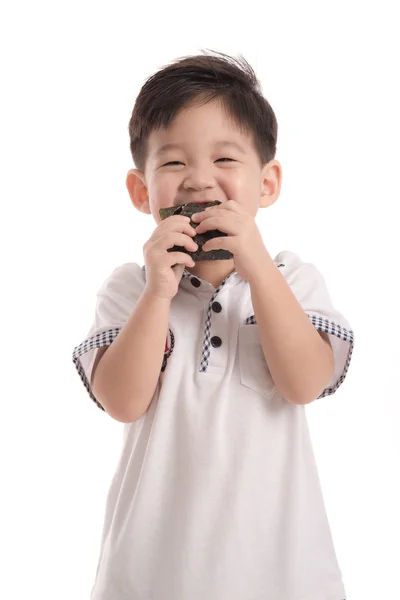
216	307
195	282
216	341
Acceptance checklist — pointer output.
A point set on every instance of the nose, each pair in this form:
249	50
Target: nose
199	179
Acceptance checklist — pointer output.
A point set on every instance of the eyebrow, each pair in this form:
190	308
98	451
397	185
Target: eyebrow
218	145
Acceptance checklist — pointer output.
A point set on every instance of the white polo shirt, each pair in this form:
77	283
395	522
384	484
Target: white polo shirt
216	495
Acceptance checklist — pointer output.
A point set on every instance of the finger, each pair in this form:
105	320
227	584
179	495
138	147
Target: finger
230	205
180	258
204	214
181	228
174	238
160	236
177	239
220	243
234	206
175	218
178	270
229	226
174	223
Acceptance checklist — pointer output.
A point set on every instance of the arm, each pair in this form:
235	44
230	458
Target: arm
300	360
125	376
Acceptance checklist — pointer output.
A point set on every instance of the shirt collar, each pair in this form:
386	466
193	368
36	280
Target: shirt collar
197	285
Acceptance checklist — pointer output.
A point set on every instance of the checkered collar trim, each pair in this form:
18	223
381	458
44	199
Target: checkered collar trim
187	275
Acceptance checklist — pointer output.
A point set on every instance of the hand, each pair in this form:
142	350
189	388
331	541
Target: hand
161	280
243	236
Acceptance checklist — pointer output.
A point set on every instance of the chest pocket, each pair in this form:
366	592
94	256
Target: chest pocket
254	372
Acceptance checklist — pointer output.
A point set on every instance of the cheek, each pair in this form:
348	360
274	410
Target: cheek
162	191
232	184
239	185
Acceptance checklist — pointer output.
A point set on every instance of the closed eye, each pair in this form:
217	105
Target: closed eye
177	162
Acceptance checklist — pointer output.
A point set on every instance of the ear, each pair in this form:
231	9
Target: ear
136	186
271	180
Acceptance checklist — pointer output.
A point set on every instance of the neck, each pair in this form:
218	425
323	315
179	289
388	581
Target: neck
213	271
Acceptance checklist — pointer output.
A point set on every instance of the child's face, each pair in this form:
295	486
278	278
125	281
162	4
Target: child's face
208	158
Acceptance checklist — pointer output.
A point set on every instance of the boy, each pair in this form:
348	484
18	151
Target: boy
210	364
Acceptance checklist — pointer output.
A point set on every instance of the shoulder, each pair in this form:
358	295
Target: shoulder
285	257
300	275
126	278
288	263
291	263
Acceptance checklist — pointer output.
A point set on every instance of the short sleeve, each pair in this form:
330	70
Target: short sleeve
309	287
116	299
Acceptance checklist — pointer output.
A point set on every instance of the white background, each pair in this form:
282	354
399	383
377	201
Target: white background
70	72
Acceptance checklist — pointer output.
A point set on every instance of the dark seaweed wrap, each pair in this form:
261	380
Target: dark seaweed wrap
188	210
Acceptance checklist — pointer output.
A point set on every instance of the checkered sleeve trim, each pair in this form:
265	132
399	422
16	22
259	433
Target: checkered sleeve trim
327	326
251	320
106	338
169	348
347	335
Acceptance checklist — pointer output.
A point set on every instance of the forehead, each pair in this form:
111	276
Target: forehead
205	125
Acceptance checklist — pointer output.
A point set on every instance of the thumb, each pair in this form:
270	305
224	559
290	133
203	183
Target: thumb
178	270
